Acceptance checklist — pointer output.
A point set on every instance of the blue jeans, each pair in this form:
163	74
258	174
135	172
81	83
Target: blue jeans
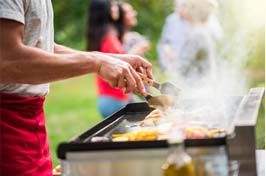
108	105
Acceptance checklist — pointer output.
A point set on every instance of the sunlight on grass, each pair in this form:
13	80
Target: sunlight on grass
70	110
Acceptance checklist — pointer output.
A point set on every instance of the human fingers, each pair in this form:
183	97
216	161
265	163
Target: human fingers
137	62
130	81
113	83
145	67
139	83
122	82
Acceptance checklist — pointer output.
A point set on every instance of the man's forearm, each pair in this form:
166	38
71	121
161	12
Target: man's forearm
34	66
60	49
29	65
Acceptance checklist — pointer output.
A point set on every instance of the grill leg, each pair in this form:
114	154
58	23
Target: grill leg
242	147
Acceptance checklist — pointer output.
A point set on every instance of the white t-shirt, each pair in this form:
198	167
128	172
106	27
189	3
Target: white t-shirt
37	17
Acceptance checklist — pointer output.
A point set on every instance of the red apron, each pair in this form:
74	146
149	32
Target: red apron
24	148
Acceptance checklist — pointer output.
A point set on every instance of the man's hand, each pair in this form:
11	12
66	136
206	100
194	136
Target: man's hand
137	62
119	73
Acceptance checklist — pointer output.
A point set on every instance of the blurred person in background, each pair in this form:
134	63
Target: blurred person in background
187	43
133	42
106	28
30	60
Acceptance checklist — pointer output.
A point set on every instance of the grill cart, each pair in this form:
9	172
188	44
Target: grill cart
235	151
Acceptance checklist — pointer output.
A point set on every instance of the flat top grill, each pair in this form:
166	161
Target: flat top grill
117	123
80	154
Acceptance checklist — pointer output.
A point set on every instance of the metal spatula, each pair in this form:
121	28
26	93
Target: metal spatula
166	88
161	101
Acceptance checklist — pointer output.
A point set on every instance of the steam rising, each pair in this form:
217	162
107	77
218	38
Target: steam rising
209	97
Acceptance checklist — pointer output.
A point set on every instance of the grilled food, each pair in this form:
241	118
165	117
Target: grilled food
203	132
160	125
135	136
152	118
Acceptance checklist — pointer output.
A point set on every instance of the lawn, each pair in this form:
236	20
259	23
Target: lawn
71	109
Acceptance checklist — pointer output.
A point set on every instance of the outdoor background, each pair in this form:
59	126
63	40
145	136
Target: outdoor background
71	104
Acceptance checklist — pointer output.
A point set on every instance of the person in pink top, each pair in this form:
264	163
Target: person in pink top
106	29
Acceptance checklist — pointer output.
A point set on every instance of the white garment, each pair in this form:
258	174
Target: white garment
131	39
37	17
186	49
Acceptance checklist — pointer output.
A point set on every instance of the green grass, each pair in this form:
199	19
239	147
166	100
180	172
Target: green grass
71	109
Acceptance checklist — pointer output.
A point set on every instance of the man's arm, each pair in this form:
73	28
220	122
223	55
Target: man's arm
137	62
61	49
24	64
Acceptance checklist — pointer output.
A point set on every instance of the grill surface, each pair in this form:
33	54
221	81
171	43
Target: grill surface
117	123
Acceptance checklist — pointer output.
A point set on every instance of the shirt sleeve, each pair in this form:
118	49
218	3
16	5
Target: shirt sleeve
12	10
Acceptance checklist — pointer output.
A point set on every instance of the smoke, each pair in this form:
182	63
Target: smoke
211	93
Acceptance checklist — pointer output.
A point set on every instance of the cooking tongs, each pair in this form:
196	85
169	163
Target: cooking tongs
160	101
167	89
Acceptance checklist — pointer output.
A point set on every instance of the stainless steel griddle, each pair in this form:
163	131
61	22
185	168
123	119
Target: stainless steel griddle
80	156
